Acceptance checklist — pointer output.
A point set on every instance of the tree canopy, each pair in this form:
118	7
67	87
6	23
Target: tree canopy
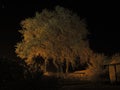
59	34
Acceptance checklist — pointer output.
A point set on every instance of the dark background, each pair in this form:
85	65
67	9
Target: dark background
102	19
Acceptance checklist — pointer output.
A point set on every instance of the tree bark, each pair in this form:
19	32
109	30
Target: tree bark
67	67
45	70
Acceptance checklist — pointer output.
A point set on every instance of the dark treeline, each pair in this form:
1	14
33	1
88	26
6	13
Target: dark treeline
14	74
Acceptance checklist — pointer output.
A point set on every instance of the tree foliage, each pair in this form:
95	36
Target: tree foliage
95	67
59	34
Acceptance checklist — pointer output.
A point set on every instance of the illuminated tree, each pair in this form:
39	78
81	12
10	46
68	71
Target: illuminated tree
95	67
59	34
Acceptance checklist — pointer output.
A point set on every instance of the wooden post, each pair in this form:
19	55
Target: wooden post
112	73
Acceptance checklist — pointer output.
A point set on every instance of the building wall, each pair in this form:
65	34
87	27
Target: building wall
118	72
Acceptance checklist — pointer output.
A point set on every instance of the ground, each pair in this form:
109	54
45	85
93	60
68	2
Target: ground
52	83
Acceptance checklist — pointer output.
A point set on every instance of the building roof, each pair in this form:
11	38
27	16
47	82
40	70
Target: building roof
112	61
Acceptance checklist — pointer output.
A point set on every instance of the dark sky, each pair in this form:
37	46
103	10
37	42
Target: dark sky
102	19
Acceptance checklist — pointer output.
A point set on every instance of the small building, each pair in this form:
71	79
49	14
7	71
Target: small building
114	70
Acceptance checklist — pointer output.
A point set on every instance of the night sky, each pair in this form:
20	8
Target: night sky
102	19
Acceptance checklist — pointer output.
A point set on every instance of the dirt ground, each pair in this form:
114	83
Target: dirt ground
58	84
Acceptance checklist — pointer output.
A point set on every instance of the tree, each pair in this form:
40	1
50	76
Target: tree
95	66
59	34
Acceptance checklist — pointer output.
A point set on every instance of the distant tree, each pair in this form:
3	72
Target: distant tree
59	34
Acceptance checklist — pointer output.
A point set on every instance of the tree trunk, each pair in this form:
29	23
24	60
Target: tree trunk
67	67
57	67
45	69
61	71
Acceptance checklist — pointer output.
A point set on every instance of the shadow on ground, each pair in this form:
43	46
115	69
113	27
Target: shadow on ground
52	83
